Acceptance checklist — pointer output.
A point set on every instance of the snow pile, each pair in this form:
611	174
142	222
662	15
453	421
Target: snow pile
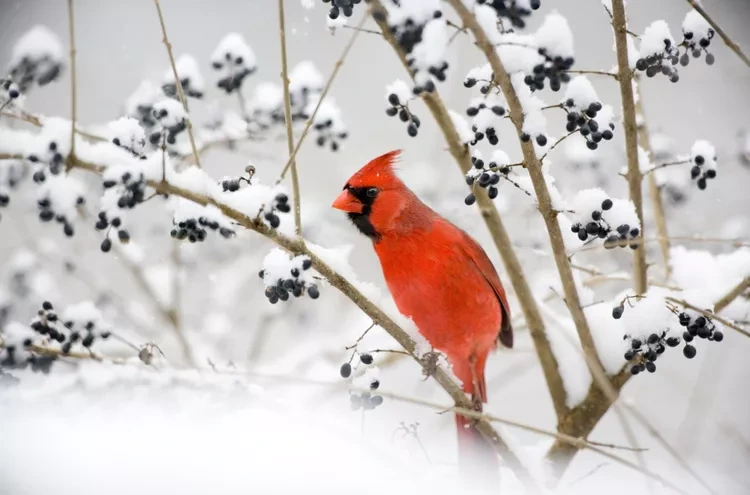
697	25
191	79
128	133
234	51
656	39
555	36
37	57
703	154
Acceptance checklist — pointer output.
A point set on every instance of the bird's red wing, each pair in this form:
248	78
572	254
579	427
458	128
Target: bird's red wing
484	265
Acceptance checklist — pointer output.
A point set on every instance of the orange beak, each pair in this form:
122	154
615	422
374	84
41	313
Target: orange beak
347	202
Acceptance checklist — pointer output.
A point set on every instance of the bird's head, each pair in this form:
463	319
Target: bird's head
374	197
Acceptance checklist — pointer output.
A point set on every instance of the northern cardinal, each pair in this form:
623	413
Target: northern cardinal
438	276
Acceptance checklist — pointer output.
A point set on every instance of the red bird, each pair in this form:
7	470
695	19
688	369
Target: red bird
438	276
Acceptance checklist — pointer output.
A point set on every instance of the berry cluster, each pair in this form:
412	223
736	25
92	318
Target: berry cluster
186	69
697	40
487	177
485	112
40	67
280	204
704	164
656	63
53	160
553	68
585	121
295	284
103	223
338	7
328	134
514	10
10	92
195	230
397	107
130	189
363	400
646	351
47	213
236	57
599	227
171	120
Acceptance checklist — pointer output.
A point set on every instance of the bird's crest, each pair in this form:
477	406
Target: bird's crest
378	172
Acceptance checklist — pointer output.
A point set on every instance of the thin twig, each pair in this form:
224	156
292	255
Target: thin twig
665	165
327	87
494	223
178	83
660	218
594	73
631	137
288	122
357	28
71	33
724	36
554	145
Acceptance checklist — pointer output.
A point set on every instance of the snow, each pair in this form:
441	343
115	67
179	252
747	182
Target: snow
713	274
266	98
38	43
430	52
401	89
517	52
696	24
234	48
129	132
555	36
62	191
607	334
653	39
308	4
705	150
305	77
187	68
146	94
582	92
175	113
278	265
462	127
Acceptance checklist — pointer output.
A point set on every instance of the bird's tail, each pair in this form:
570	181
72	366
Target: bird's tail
476	455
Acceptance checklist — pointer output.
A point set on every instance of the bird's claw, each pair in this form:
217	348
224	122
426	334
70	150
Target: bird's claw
429	363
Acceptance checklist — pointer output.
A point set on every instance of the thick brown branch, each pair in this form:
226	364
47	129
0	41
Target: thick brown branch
724	36
631	136
288	122
533	165
733	294
492	219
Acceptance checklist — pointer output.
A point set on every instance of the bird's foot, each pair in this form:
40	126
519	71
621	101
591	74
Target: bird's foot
429	363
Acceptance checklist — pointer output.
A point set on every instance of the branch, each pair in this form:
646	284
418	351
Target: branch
71	31
178	83
732	295
654	190
595	73
288	121
724	36
661	165
631	137
711	315
297	246
327	87
492	219
534	167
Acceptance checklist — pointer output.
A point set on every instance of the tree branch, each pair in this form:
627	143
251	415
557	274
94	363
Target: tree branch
654	190
533	165
732	295
724	36
288	122
492	219
178	83
635	178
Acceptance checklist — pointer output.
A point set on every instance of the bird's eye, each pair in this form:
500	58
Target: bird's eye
372	192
